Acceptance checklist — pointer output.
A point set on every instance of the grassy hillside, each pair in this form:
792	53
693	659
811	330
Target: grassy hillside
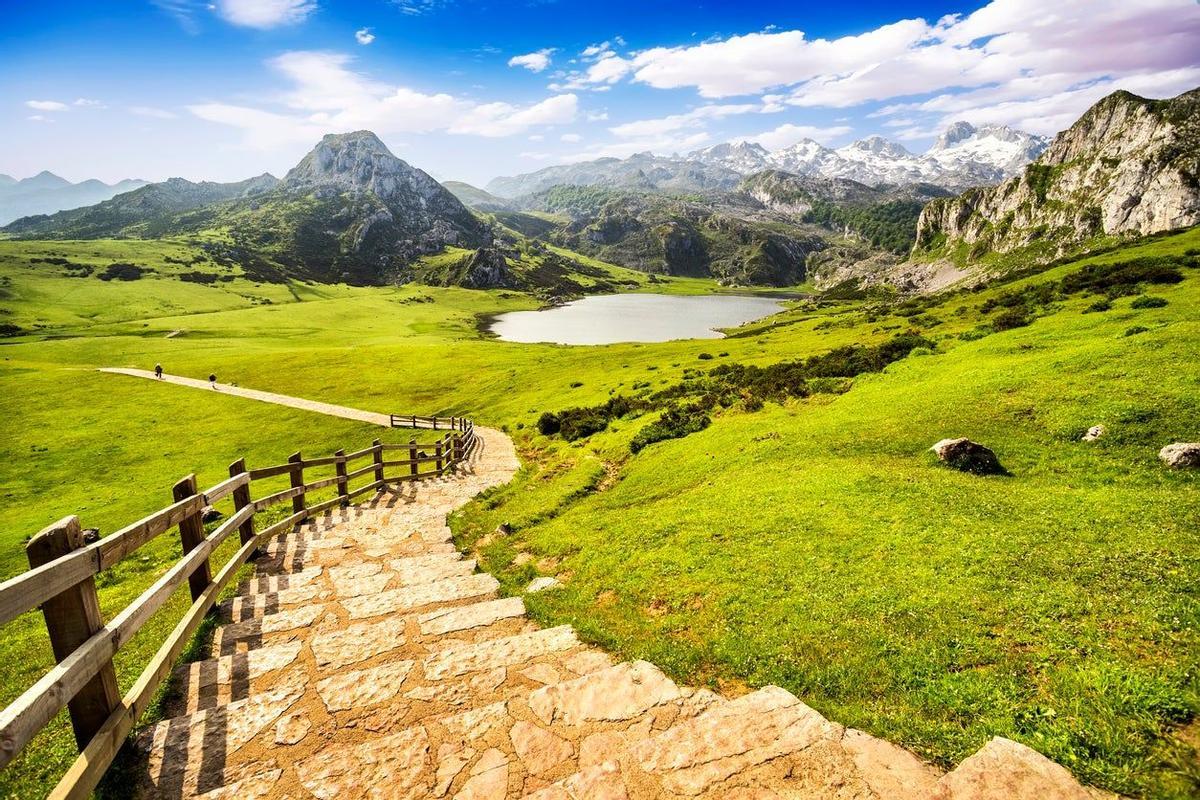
812	543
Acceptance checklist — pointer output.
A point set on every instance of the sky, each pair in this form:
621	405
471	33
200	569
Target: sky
226	89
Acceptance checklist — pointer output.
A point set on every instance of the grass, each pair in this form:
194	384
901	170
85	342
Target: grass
814	544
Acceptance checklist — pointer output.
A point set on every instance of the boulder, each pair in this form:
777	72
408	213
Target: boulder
1006	770
1093	433
542	584
968	456
1181	455
91	535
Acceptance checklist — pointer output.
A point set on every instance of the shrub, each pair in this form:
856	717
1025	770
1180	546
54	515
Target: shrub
1124	275
1136	329
921	351
705	356
122	272
1099	305
1146	301
752	403
576	384
1012	318
675	423
548	424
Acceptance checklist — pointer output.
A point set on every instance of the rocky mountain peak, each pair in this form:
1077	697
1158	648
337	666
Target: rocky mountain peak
880	146
955	133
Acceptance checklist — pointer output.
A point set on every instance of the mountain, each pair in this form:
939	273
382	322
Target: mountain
1129	166
641	172
46	193
476	198
348	211
963	156
143	211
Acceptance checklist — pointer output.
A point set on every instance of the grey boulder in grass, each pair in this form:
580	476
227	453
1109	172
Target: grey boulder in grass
1181	455
968	456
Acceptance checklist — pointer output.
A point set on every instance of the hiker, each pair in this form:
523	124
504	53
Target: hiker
158	371
212	380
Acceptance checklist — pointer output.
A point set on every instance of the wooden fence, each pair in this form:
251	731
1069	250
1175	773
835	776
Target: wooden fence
432	423
61	580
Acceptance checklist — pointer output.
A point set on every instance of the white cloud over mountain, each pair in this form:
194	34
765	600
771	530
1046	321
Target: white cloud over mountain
1022	62
327	95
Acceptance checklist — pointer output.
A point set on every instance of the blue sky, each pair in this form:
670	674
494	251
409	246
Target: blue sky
224	89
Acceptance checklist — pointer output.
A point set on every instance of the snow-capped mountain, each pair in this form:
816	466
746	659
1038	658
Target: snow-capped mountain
963	156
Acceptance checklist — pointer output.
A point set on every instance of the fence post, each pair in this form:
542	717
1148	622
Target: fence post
191	534
437	451
297	473
414	420
241	499
435	423
458	448
378	454
72	617
343	488
413	467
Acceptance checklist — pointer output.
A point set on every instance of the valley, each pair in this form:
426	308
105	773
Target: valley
758	506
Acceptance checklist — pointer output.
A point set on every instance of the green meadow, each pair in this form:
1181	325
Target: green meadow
813	543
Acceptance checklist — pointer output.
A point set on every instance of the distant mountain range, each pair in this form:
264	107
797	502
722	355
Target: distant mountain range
46	193
963	156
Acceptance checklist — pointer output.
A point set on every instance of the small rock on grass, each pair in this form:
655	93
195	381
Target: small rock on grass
542	584
1093	433
1181	455
968	456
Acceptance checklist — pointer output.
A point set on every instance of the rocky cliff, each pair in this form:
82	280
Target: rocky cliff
1129	166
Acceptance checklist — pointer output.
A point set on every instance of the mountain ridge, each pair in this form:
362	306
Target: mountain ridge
47	193
964	156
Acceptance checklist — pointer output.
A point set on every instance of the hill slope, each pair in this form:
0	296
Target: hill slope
1129	166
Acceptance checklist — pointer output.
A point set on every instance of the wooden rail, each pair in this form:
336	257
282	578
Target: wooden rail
61	581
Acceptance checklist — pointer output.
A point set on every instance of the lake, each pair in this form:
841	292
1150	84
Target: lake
606	319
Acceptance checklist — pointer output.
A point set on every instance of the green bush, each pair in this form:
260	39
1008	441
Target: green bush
1012	318
1136	329
1146	301
1099	305
675	423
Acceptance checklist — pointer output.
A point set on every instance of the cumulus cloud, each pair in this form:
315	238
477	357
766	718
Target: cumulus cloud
534	62
325	95
1017	61
674	122
364	36
46	105
788	134
570	137
264	14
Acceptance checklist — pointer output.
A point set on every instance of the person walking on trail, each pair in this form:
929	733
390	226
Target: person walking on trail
212	380
158	371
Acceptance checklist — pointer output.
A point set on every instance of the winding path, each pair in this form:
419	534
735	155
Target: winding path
265	397
368	658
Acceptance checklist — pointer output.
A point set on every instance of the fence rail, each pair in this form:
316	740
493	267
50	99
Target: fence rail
61	581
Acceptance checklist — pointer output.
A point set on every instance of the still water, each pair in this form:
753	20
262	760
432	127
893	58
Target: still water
605	319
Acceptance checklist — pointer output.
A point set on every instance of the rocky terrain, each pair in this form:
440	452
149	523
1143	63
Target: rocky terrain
1128	167
963	156
46	193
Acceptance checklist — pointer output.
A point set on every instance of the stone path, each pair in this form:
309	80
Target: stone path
367	658
266	397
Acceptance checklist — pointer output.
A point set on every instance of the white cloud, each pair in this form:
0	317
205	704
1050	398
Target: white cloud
38	118
326	95
154	113
788	134
534	62
264	14
84	102
1015	61
364	36
504	119
692	119
570	137
46	105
